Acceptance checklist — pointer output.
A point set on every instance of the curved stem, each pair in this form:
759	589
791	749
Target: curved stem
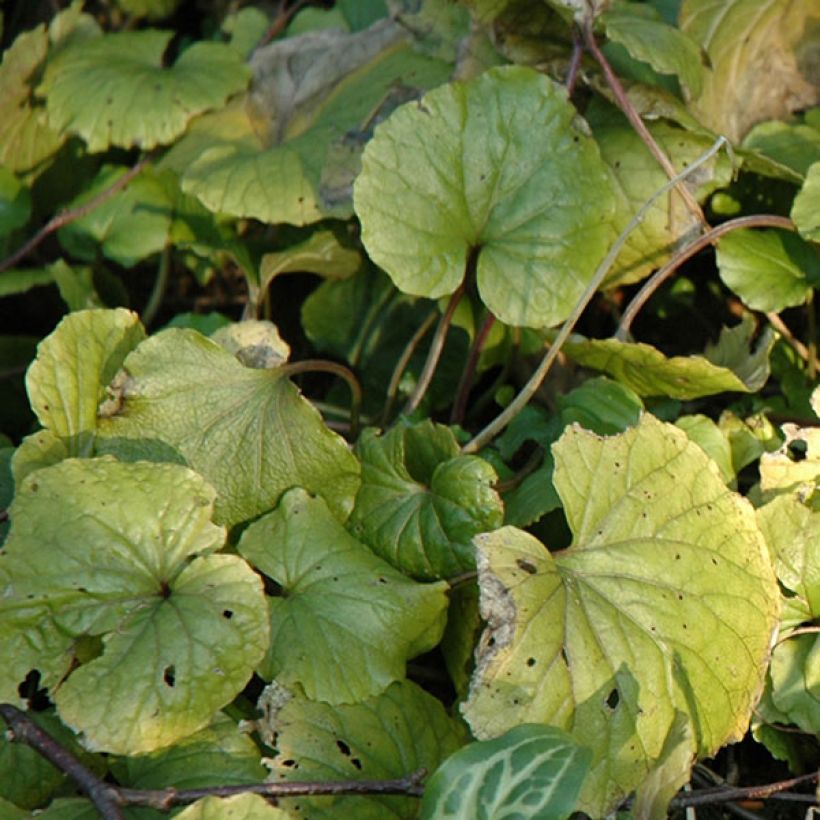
463	390
324	366
638	124
404	360
783	329
434	354
662	274
160	284
811	332
530	388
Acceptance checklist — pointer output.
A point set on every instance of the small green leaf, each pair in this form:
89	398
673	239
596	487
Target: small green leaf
346	622
668	50
769	270
149	9
737	350
247	431
709	437
67	381
531	771
384	737
806	208
21	280
648	372
665	602
795	674
421	502
15	203
238	807
113	90
793	144
459	173
121	551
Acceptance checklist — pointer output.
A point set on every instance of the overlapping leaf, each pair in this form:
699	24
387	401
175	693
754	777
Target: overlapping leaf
345	622
121	552
421	502
665	603
461	174
248	431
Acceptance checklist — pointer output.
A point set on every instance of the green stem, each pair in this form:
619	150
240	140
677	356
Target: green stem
812	340
160	285
466	380
323	366
711	236
531	387
404	360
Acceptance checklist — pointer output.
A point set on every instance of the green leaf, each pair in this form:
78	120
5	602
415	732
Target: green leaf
769	270
26	139
737	350
385	737
113	90
600	405
531	771
807	206
76	285
127	227
15	203
218	755
709	437
796	461
647	372
121	551
345	622
665	602
247	431
668	50
149	9
459	174
793	144
742	89
795	674
238	807
21	280
421	502
67	381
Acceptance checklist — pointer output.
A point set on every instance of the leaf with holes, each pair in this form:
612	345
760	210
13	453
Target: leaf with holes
346	622
458	178
665	603
119	556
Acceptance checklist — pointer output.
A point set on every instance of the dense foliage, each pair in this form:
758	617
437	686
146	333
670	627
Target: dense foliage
545	519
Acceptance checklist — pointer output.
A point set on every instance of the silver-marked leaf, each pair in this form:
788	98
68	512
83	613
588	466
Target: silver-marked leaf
769	270
346	622
121	554
67	380
387	736
530	771
184	398
665	602
421	502
462	173
113	90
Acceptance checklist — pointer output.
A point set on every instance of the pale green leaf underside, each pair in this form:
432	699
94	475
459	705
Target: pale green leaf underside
531	771
387	736
247	431
346	622
112	90
421	516
806	208
74	364
496	166
122	551
648	372
665	602
769	270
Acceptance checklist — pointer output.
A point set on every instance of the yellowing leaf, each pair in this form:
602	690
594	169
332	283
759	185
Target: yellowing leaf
664	603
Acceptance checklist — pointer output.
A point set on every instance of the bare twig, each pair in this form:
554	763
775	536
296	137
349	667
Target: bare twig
783	329
729	794
283	16
574	64
71	214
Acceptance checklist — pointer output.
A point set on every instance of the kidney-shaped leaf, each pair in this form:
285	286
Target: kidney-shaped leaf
498	167
421	502
100	548
247	430
665	602
346	622
531	771
113	90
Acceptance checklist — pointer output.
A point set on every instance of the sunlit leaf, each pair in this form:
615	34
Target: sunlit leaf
122	552
794	144
665	603
345	622
460	174
796	461
795	674
806	209
237	807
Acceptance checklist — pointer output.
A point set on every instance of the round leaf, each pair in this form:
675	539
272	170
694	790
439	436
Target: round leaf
501	167
346	622
113	90
665	602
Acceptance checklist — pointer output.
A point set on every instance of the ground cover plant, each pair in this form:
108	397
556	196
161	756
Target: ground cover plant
409	408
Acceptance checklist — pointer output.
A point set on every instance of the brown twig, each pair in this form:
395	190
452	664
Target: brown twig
109	799
71	214
729	794
283	16
574	64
